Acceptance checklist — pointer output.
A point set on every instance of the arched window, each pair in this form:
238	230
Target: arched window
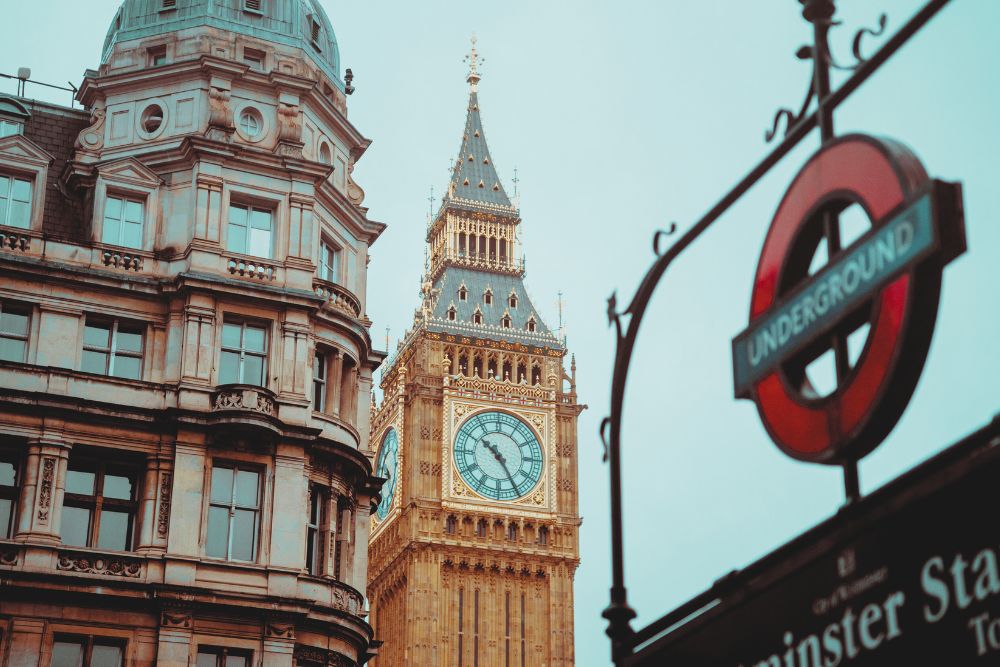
522	373
491	368
463	293
536	375
477	367
506	371
512	532
452	313
451	524
461	244
512	300
477	317
481	528
463	365
532	325
543	535
505	322
488	297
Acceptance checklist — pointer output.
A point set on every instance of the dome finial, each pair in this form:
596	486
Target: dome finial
474	61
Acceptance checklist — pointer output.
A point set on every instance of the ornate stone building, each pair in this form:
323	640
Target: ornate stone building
185	471
475	542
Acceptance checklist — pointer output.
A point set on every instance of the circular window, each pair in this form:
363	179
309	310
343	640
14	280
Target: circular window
151	119
251	123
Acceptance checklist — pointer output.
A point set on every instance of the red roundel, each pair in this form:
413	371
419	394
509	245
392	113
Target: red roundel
882	176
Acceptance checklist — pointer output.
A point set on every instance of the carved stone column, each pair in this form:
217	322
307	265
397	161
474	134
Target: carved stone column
155	505
43	489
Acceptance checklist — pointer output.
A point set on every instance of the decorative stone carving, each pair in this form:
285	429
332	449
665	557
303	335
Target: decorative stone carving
8	556
305	653
347	600
175	619
281	630
289	130
45	490
242	398
163	514
91	138
354	192
117	566
220	114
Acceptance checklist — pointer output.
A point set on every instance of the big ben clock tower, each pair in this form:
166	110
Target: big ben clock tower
475	541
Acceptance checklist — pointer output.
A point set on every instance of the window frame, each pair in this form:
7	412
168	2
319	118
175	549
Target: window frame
11	492
96	503
324	268
17	125
315	522
20	309
8	198
258	509
222	652
124	198
112	350
242	351
87	643
251	208
321	377
156	56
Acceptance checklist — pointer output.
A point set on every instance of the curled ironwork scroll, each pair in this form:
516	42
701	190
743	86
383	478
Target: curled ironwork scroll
627	322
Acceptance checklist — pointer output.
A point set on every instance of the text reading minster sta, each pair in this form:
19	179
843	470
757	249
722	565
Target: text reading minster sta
475	541
185	471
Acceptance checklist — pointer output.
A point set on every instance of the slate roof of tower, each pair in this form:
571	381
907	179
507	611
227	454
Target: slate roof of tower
474	177
477	282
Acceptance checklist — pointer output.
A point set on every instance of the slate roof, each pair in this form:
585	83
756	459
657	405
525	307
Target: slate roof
477	282
474	177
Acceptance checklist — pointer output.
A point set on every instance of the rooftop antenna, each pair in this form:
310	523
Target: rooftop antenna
23	74
387	339
515	180
430	206
474	60
562	332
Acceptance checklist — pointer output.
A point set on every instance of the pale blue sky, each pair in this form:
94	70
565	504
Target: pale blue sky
622	117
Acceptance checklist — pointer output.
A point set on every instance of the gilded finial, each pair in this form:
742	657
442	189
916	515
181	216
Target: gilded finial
474	60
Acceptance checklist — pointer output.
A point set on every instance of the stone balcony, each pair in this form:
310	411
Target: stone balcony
337	298
245	405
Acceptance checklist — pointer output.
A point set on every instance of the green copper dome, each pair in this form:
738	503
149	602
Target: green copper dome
295	23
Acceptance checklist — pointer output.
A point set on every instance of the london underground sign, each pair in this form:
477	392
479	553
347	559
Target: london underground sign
889	279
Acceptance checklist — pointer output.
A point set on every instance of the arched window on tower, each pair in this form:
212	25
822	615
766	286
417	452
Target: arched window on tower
450	524
452	314
522	373
512	532
512	300
463	365
481	528
477	367
506	371
536	374
503	251
463	293
461	244
488	297
543	535
532	325
477	317
505	321
491	368
482	246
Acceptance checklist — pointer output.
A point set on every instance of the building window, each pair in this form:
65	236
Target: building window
481	528
314	543
488	297
512	301
99	506
477	317
512	532
325	157
14	326
450	524
112	348
319	381
254	58
123	221
505	322
543	535
452	314
329	262
218	656
151	119
531	325
15	202
251	123
463	293
73	651
244	354
158	54
250	231
10	127
233	513
315	31
9	481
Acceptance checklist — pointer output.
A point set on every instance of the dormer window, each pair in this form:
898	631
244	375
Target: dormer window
477	317
505	322
254	58
452	314
531	325
463	293
157	54
12	117
10	127
15	201
488	297
512	300
122	222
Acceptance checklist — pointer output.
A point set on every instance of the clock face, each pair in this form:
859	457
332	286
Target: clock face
387	465
498	456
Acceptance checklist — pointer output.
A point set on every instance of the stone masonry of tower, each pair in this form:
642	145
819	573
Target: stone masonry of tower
475	543
185	470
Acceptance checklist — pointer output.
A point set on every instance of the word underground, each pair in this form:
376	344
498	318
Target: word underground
833	292
946	587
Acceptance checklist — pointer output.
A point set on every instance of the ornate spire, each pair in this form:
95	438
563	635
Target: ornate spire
474	178
474	61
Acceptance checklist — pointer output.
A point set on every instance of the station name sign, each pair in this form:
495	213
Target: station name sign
821	303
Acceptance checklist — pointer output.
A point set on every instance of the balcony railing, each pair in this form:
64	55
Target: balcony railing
337	297
251	268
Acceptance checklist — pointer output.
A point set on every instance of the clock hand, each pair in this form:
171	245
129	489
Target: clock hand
501	460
